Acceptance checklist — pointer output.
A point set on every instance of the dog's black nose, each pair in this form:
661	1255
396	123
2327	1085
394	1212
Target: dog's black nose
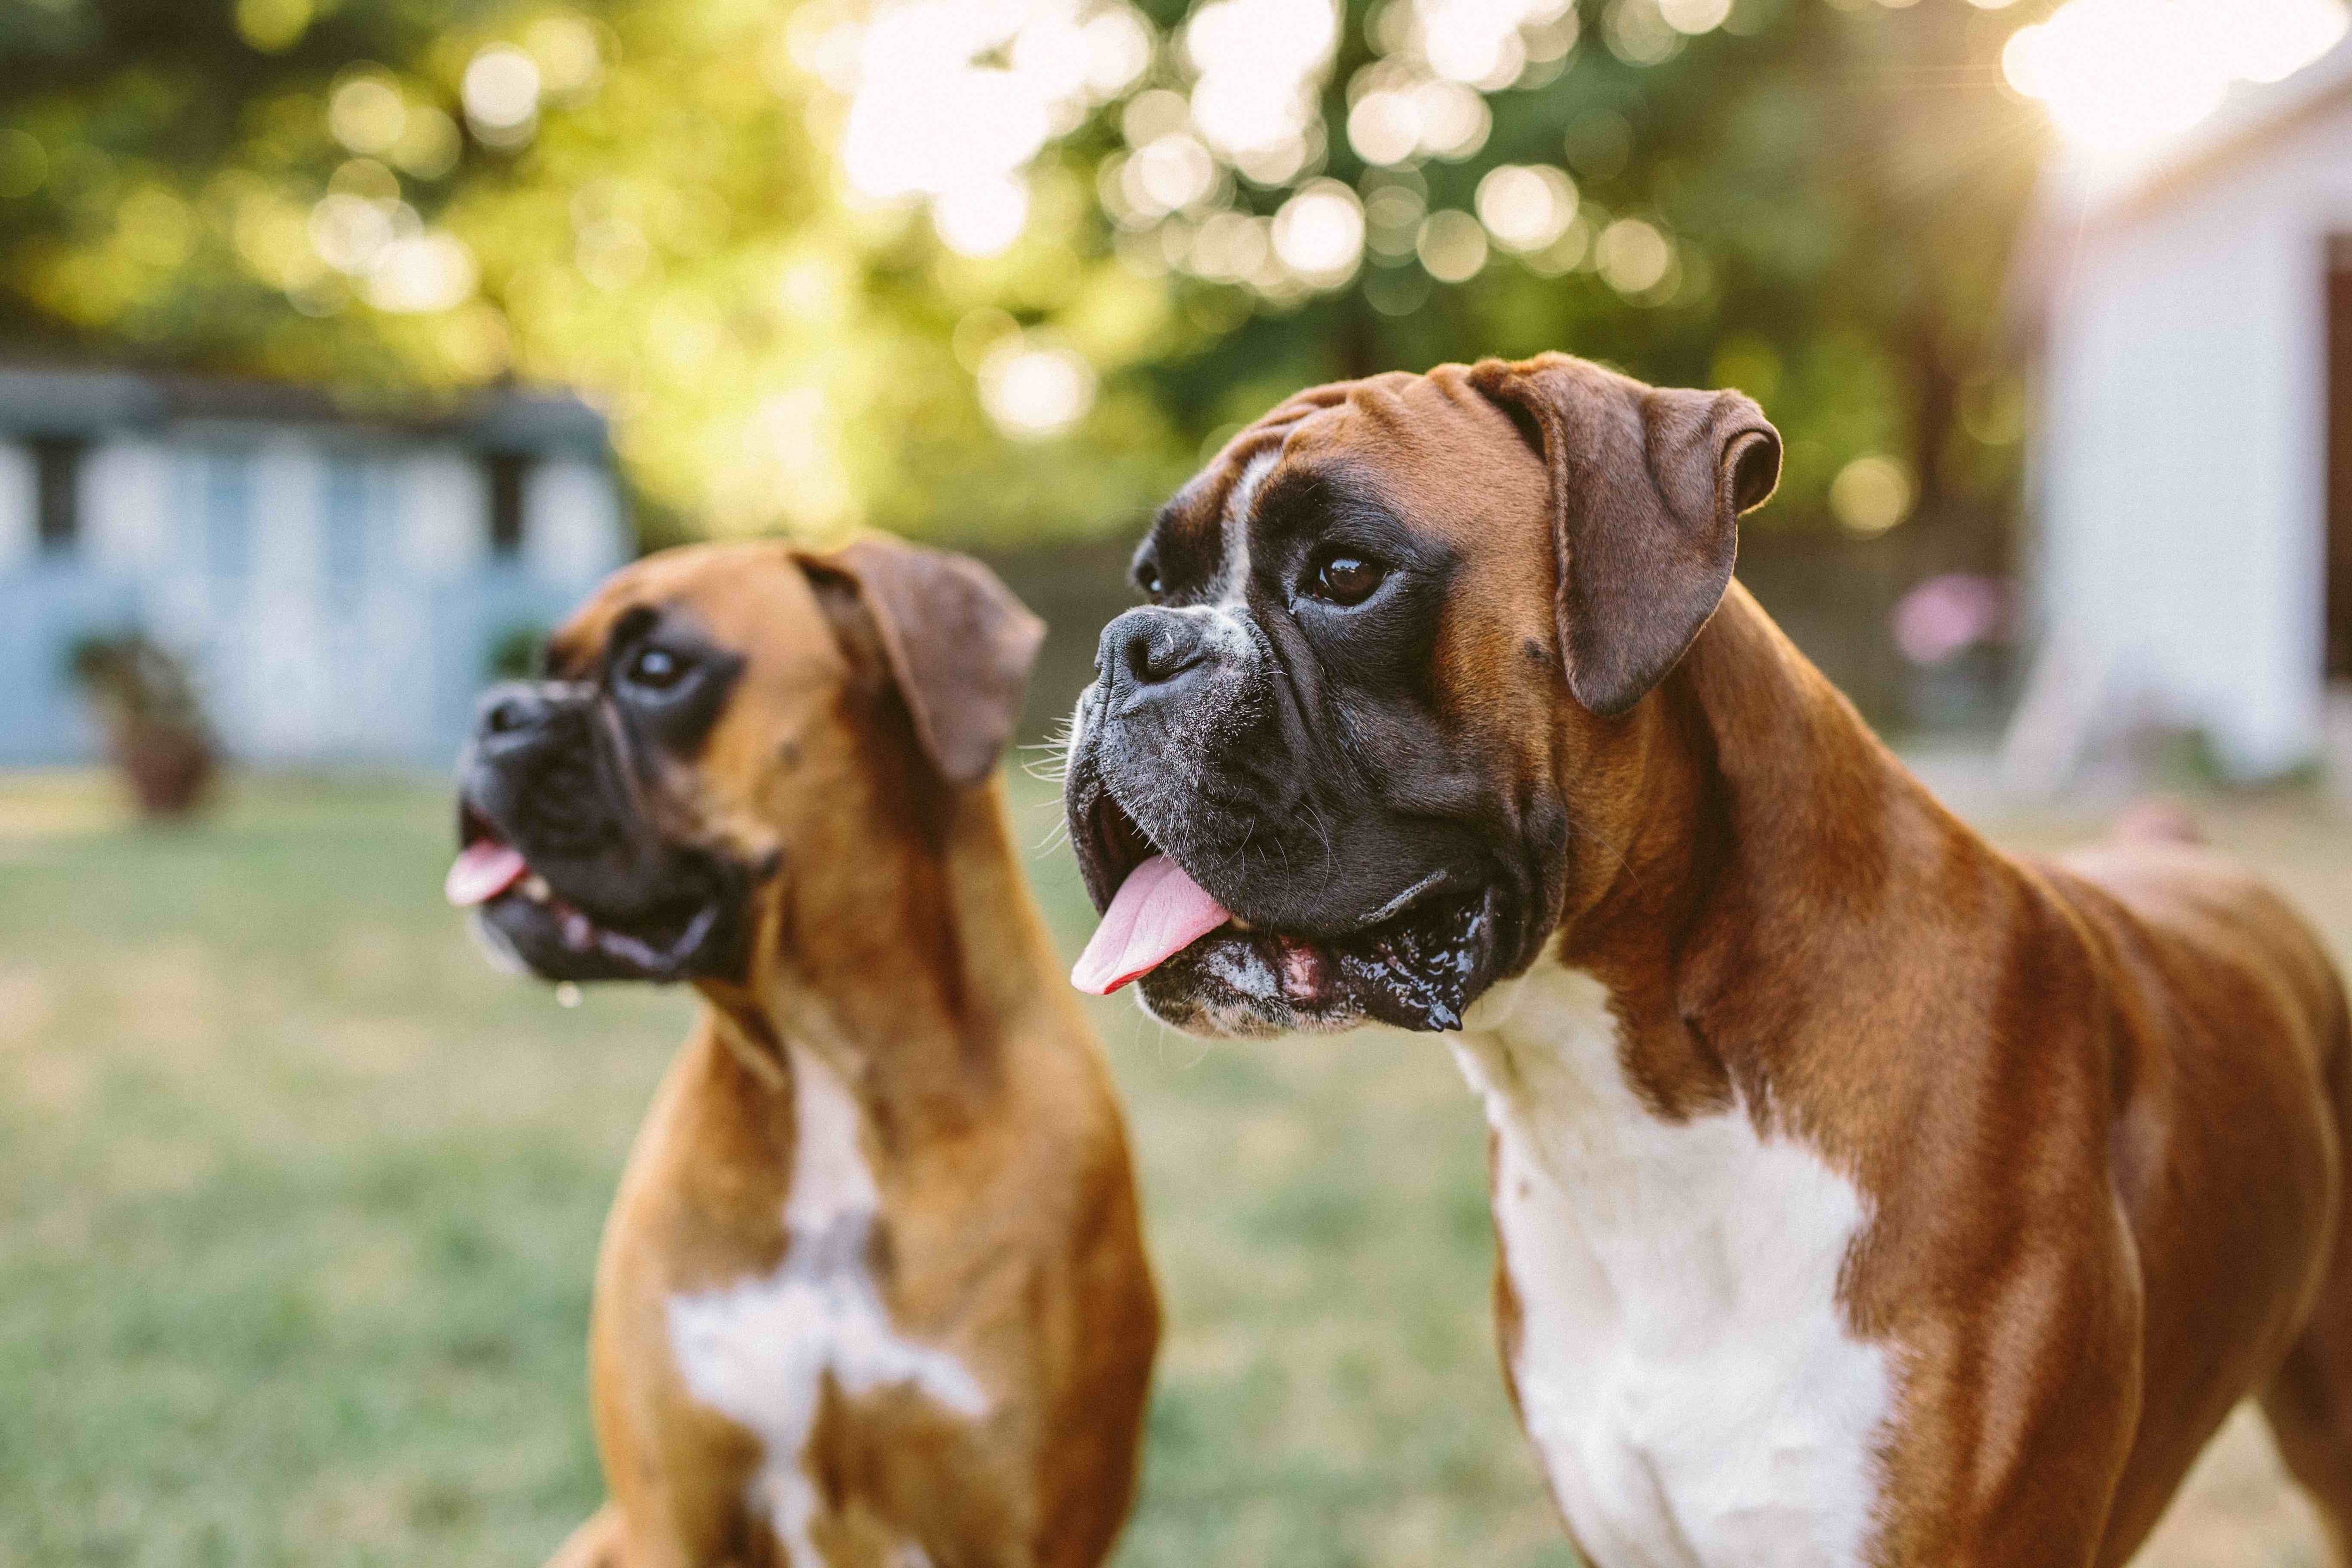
1150	648
509	710
516	712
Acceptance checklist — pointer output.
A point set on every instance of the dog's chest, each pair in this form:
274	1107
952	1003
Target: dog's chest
762	1351
1683	1366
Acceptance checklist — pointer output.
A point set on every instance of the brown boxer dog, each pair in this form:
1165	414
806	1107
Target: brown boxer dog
1864	1194
872	1294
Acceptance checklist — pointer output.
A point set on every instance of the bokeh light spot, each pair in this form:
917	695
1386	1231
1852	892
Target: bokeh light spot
500	92
1452	245
1525	207
983	218
420	274
1633	256
428	148
1637	32
1692	17
367	115
1319	233
1384	127
273	26
1871	494
1034	390
565	49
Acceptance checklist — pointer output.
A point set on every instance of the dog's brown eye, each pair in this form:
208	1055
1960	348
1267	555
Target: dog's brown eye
1148	579
1345	579
656	669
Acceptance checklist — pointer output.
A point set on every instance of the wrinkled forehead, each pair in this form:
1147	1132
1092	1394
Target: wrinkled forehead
747	599
1430	447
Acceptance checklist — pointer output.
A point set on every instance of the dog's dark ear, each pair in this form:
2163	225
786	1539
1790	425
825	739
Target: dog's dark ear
956	642
1647	486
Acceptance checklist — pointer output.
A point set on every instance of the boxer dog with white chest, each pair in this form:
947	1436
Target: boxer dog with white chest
873	1293
1864	1194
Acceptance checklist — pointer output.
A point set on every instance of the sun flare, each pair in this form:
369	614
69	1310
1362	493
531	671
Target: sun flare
2120	78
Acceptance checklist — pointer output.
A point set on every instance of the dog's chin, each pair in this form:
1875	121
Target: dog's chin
1420	971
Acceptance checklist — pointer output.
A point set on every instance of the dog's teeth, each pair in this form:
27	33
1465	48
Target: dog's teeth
1241	924
535	889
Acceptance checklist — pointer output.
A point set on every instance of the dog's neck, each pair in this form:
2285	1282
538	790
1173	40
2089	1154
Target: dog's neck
907	956
1754	775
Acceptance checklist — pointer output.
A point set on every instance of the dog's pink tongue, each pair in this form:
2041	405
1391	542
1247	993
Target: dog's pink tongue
1157	913
482	871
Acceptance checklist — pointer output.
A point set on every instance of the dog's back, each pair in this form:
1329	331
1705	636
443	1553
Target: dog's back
2229	1046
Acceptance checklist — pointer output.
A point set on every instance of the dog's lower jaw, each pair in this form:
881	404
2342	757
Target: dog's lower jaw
559	941
1232	1018
1420	971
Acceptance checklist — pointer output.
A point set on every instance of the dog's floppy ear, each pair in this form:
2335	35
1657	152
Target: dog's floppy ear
1647	486
957	643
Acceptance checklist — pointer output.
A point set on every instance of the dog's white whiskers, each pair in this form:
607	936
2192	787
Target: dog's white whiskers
1322	831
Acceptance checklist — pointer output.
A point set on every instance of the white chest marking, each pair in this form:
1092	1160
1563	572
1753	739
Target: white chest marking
759	1351
1685	1368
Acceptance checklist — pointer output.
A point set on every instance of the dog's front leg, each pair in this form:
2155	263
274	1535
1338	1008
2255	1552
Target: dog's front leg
2019	1424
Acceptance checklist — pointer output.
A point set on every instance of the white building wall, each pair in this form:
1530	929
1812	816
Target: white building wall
284	685
2184	454
127	499
571	522
179	602
445	498
19	522
374	636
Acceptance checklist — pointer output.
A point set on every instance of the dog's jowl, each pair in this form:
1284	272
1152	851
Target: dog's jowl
1865	1196
873	1291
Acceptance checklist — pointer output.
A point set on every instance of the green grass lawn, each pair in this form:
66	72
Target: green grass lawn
298	1202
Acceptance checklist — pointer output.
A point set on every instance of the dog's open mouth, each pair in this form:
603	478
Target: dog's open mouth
492	878
1414	963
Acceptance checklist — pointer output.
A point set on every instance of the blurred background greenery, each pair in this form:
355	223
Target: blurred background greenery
994	271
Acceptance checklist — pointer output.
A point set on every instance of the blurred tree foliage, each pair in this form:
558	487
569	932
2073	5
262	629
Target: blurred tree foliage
1809	199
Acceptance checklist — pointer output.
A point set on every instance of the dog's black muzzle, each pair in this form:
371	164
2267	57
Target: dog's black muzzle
552	773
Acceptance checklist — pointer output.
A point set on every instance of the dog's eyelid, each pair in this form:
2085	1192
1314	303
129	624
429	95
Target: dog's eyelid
630	628
1315	514
632	623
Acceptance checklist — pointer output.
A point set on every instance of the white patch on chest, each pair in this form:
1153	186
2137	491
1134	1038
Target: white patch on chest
1684	1368
760	1351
